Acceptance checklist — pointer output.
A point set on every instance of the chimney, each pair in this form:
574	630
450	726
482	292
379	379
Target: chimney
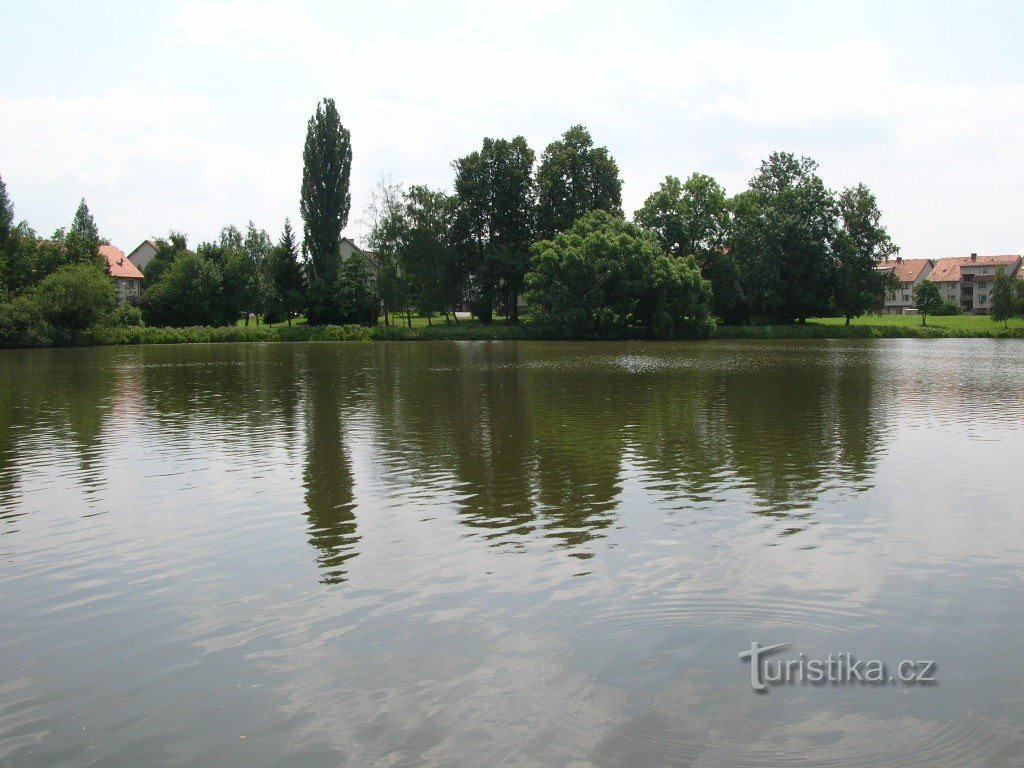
974	257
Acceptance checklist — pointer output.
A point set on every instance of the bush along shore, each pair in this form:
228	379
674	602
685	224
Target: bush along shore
469	331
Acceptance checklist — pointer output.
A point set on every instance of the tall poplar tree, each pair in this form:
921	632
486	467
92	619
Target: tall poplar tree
324	205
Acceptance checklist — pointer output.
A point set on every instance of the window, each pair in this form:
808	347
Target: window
906	297
981	300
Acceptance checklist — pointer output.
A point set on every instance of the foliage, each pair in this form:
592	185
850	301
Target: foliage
6	230
254	288
287	287
385	216
429	255
495	191
783	228
861	242
125	315
189	293
357	299
927	299
607	273
1004	299
691	218
75	297
22	324
82	242
325	200
574	178
167	250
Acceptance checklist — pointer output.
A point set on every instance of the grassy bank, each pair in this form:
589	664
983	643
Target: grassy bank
821	328
463	331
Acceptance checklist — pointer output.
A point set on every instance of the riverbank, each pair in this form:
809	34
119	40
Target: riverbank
827	328
469	331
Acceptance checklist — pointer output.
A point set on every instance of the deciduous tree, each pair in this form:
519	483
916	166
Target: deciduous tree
606	274
927	299
1004	299
782	233
861	242
574	178
494	186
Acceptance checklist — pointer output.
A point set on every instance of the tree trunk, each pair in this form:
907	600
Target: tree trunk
847	319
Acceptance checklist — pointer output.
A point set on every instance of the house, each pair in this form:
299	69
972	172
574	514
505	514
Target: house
348	249
967	280
143	254
910	273
125	274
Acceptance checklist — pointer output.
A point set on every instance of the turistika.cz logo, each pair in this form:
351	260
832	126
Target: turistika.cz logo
834	669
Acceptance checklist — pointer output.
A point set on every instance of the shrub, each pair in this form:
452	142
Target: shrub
606	274
189	294
126	316
75	297
22	324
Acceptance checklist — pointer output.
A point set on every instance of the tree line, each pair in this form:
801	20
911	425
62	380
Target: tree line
515	230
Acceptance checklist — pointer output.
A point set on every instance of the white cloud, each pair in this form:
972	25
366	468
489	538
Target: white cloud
941	157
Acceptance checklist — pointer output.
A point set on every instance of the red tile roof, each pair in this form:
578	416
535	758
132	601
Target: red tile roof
906	270
948	270
118	263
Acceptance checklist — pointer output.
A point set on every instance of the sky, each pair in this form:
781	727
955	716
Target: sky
192	116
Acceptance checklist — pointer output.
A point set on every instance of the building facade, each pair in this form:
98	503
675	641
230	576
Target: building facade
126	275
967	281
143	254
909	273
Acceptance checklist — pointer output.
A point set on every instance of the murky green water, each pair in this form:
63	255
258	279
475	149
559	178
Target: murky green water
490	554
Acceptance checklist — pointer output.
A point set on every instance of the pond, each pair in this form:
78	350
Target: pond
482	553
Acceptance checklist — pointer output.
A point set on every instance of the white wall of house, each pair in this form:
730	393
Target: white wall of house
142	255
127	287
902	299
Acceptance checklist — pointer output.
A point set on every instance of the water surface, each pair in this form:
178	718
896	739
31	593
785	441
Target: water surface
508	553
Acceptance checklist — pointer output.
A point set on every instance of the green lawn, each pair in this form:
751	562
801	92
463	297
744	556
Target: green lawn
963	322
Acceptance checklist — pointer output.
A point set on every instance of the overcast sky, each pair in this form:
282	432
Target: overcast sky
192	116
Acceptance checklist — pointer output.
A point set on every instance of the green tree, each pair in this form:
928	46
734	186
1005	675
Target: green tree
861	242
782	233
357	298
1004	299
255	289
288	288
324	205
228	255
75	297
429	254
495	190
385	217
6	234
167	250
82	242
188	294
691	218
606	274
927	299
574	178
